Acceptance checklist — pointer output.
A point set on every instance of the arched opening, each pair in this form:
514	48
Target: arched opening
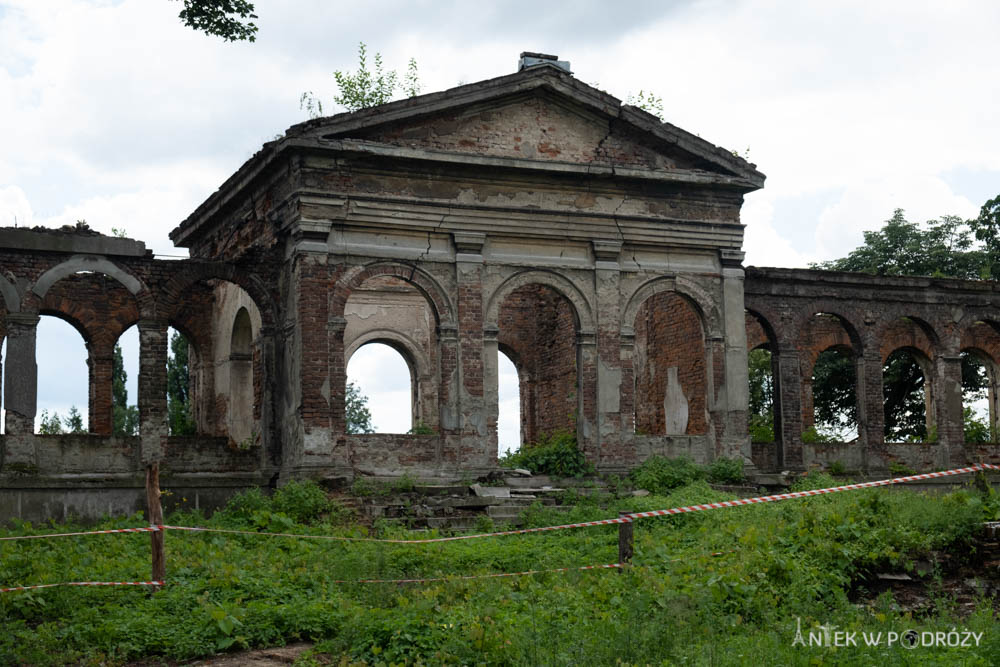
241	378
907	402
382	397
829	389
509	404
61	358
181	359
537	327
391	349
761	374
980	377
671	383
124	385
834	397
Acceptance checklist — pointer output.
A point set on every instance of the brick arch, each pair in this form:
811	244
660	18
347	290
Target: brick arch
981	335
94	263
760	331
834	309
425	283
406	346
558	283
898	333
99	308
188	273
700	300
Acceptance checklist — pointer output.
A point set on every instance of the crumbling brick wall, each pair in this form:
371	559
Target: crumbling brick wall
538	331
668	333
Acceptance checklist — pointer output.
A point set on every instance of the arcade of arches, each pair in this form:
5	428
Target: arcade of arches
530	215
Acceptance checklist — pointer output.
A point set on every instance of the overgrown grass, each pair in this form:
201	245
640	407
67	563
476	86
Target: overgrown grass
677	604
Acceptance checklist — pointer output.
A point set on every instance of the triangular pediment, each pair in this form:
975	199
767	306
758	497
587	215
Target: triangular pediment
542	115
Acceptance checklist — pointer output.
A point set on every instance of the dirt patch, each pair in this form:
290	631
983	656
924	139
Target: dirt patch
266	657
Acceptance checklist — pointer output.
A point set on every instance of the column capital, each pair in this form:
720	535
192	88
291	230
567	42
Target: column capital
22	319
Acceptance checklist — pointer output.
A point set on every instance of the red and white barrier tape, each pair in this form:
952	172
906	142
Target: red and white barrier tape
814	492
83	583
149	529
453	538
609	566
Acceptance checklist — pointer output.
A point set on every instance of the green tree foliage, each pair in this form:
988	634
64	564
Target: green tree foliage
125	417
232	20
359	418
53	424
987	230
834	399
944	248
178	392
761	420
648	102
365	88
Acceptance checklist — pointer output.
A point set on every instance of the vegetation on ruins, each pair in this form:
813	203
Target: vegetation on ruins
366	88
725	587
555	454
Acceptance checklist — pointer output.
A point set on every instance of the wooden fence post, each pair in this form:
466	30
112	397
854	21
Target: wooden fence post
155	519
625	541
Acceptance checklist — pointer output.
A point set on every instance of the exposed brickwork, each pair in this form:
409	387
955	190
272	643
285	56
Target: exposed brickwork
668	333
537	330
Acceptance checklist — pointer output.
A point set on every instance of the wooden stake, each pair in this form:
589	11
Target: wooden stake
155	519
625	544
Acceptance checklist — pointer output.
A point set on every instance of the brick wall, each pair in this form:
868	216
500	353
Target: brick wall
538	330
668	333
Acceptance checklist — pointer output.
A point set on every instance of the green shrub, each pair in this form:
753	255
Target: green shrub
836	468
554	454
761	428
976	431
421	428
812	436
725	471
659	474
244	505
303	502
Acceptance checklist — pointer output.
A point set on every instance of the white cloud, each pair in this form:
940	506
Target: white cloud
15	209
762	243
866	205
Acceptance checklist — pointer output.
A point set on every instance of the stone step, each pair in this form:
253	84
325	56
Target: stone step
442	489
505	512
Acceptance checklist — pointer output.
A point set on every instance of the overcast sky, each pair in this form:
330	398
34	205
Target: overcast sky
115	113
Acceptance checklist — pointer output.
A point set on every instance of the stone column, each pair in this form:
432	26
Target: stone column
734	395
270	444
586	355
336	394
947	399
609	438
871	403
474	449
788	417
491	383
100	362
21	374
153	425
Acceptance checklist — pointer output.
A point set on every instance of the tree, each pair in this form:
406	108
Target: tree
232	20
125	417
178	391
74	421
761	420
358	417
987	230
365	88
50	424
903	248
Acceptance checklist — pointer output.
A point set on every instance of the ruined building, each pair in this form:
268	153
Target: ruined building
532	214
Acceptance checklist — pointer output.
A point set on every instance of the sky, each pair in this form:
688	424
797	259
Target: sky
115	113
